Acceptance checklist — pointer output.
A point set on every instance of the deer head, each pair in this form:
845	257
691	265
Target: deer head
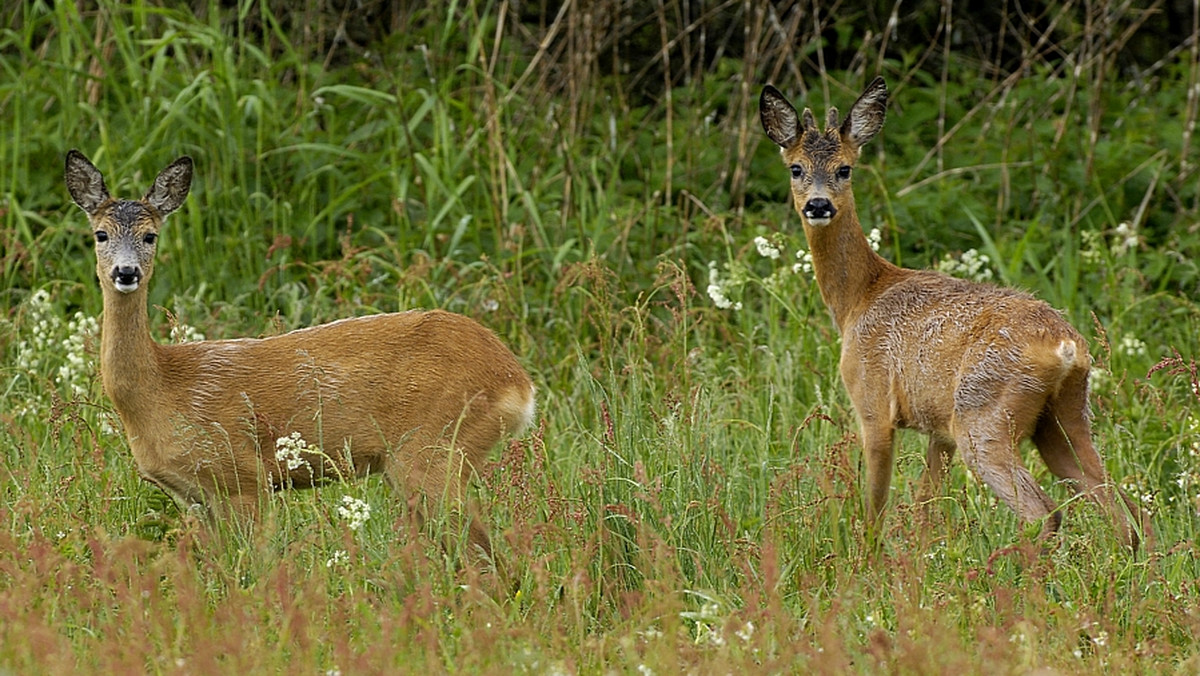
126	231
821	162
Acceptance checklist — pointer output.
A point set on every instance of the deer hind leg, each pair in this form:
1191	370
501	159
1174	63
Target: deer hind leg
1064	440
437	474
990	449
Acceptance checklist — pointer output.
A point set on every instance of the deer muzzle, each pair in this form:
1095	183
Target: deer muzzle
819	211
126	278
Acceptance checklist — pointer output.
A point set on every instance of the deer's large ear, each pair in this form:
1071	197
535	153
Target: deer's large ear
778	117
171	186
84	182
866	116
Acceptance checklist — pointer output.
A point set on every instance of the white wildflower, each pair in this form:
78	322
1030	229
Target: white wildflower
804	262
650	634
1127	238
970	265
26	356
706	619
765	248
183	333
108	425
875	238
289	452
355	511
73	373
339	557
716	290
1132	347
1193	430
1091	246
46	326
746	632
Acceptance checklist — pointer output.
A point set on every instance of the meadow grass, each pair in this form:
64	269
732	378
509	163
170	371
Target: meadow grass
690	497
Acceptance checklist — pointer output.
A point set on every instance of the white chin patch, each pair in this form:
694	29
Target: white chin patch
817	222
125	288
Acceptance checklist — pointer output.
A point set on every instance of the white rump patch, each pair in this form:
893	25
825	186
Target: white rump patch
1067	352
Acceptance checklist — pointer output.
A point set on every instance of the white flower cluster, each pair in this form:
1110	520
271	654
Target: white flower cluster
1091	246
289	452
1126	238
875	238
184	333
708	621
46	339
717	290
970	265
339	557
1147	498
46	326
766	249
74	373
355	511
804	263
1132	347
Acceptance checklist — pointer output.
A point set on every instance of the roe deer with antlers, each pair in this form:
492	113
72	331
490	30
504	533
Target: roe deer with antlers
419	396
977	367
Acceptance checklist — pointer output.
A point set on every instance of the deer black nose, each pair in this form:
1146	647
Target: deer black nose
819	208
126	276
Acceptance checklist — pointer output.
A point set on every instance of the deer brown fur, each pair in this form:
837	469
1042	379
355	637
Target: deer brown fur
976	367
419	396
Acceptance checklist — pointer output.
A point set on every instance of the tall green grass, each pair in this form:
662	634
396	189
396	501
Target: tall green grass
690	498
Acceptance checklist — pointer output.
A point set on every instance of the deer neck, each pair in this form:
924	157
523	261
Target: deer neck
128	356
845	265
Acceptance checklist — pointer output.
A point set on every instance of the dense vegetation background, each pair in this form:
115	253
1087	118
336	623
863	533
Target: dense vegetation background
589	180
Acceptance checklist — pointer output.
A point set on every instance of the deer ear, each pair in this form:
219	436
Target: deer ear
778	117
171	186
84	182
866	116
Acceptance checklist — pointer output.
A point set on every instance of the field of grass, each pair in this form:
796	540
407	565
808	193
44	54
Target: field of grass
690	499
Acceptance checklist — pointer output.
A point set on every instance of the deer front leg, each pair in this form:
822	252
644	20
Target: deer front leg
937	458
877	456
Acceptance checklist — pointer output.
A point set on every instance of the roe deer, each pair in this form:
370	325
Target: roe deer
420	396
976	367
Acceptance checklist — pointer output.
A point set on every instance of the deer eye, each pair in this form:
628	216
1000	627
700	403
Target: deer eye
101	236
843	172
150	238
797	171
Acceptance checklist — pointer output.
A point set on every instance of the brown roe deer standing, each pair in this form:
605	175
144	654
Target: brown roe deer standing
974	366
420	396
